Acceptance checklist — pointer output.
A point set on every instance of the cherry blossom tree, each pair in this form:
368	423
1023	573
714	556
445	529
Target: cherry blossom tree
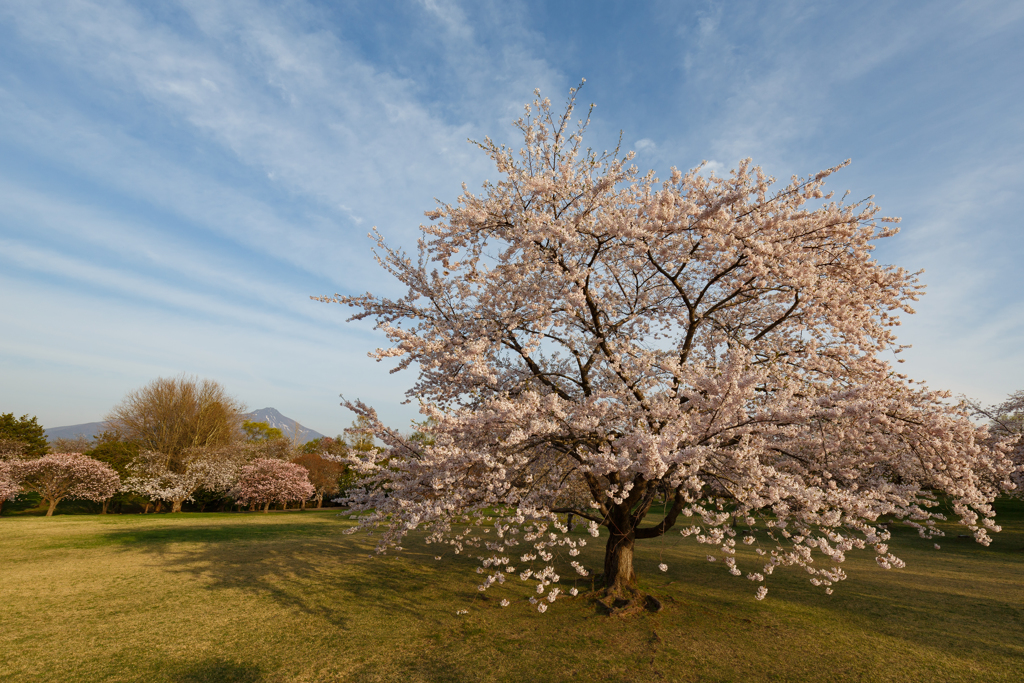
10	487
12	449
268	481
590	340
160	478
66	475
1006	422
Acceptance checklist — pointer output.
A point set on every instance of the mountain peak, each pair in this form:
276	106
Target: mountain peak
274	418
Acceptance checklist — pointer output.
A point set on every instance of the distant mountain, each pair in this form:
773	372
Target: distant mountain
87	429
269	415
286	424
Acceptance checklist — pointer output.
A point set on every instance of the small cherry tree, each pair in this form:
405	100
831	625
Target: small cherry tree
66	475
590	341
268	481
10	487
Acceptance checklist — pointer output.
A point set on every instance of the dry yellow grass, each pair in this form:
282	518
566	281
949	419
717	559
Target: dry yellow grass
287	597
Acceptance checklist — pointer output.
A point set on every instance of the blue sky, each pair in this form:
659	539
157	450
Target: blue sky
177	178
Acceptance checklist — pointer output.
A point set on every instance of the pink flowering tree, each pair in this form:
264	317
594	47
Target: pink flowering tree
10	487
268	481
1006	423
66	475
591	341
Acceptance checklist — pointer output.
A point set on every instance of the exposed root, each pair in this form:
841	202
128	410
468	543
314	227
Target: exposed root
624	602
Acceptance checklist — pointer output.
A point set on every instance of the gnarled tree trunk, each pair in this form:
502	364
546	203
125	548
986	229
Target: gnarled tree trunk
621	593
176	505
619	577
53	506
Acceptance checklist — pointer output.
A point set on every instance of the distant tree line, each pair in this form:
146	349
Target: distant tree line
175	444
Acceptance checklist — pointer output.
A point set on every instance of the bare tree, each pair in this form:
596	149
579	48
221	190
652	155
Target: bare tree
79	444
12	449
172	415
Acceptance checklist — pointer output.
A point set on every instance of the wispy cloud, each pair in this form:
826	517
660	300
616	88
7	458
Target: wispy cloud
176	179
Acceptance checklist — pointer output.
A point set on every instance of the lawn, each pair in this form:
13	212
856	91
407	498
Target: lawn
287	597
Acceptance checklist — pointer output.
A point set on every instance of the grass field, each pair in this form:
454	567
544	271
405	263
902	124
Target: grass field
287	597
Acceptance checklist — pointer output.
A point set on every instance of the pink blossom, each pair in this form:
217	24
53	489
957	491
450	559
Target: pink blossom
10	487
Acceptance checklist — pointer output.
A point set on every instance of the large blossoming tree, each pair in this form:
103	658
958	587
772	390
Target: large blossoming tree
590	341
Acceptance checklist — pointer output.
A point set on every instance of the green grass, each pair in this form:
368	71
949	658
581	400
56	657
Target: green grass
287	597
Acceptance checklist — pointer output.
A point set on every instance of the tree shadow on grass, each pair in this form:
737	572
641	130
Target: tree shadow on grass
312	568
232	528
319	572
216	670
328	577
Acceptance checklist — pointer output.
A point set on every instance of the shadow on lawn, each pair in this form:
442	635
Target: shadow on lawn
216	671
312	567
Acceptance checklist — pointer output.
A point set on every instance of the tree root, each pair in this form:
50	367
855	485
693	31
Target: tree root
624	602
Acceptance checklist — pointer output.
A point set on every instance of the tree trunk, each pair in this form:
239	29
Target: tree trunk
146	511
621	594
159	505
176	506
284	504
266	508
303	504
104	510
619	577
319	502
53	506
